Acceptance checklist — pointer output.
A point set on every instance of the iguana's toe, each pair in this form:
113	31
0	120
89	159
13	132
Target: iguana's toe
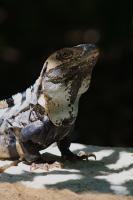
46	166
80	156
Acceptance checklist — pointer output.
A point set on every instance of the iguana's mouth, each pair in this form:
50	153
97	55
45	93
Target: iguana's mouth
89	56
94	54
89	49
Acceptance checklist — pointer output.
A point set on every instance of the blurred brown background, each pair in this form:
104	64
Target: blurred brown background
31	30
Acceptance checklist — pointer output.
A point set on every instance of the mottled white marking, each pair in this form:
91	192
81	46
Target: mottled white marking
3	111
17	99
9	112
41	100
28	95
6	112
58	106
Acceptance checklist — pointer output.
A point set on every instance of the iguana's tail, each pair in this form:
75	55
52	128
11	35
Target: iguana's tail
13	163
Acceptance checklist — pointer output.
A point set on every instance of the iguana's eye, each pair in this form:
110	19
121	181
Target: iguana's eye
64	54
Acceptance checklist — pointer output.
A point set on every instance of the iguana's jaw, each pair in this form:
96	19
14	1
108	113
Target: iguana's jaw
67	77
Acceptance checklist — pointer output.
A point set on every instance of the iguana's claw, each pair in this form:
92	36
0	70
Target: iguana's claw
84	156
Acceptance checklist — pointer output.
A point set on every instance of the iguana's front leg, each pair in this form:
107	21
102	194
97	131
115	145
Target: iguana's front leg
34	137
64	146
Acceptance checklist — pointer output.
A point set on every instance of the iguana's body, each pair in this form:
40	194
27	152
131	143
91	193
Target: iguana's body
47	111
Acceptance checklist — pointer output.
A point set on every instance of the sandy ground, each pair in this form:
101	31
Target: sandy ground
19	192
109	177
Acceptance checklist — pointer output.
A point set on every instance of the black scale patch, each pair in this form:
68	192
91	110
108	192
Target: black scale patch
10	102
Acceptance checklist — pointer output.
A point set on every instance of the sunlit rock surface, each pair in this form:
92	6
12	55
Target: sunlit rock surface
112	172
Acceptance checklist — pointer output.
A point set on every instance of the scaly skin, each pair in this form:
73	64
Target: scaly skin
46	112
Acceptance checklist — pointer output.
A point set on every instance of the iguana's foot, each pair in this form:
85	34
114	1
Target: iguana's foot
46	166
80	156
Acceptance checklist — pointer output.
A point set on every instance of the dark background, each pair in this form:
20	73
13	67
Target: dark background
31	30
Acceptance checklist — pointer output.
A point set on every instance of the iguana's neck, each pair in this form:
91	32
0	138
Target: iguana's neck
61	112
61	99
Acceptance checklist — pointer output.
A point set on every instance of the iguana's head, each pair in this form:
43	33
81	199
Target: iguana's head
66	78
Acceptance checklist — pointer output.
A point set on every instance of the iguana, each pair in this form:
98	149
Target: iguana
46	112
